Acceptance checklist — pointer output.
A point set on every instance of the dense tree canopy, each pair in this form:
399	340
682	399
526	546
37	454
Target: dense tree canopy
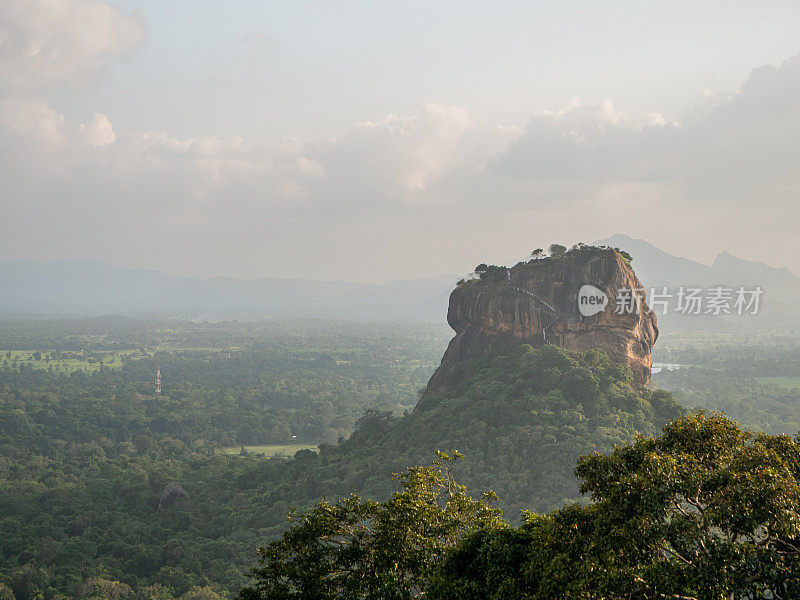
85	456
704	511
88	456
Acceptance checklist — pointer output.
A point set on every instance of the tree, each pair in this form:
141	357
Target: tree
156	592
359	548
557	250
6	593
706	511
490	272
581	386
201	593
103	589
538	253
540	560
625	255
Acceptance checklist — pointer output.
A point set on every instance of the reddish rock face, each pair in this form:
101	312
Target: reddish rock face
537	303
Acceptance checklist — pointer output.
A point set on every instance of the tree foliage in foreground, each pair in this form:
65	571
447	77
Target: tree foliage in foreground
359	548
705	511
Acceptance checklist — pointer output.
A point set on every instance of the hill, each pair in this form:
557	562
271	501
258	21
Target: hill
779	302
68	287
90	288
520	417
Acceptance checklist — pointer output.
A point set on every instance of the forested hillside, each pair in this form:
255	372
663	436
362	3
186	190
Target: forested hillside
520	418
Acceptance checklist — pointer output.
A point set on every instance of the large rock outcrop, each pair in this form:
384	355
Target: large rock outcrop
536	302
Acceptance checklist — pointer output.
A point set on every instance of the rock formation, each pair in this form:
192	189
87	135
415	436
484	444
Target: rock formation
537	302
172	491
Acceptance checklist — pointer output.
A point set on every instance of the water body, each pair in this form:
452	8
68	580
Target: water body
658	367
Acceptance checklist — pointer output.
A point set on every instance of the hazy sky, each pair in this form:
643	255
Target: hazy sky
374	140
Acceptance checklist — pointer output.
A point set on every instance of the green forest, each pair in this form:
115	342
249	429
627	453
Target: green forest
86	454
752	377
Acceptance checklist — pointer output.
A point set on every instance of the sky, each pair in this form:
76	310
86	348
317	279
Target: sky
370	141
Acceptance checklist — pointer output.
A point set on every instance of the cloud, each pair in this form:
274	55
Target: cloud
745	147
732	148
580	142
35	130
728	156
394	159
100	132
308	167
46	42
727	148
34	123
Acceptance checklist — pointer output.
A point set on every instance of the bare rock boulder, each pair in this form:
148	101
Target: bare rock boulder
172	492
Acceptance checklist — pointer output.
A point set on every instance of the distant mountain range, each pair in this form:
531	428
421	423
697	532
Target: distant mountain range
780	301
91	288
656	268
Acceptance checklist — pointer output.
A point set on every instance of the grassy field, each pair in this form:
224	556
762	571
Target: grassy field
70	361
65	362
271	449
787	382
174	349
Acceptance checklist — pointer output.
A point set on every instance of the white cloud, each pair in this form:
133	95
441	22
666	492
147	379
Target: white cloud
45	42
581	142
729	148
100	132
397	158
733	152
37	130
32	121
309	167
